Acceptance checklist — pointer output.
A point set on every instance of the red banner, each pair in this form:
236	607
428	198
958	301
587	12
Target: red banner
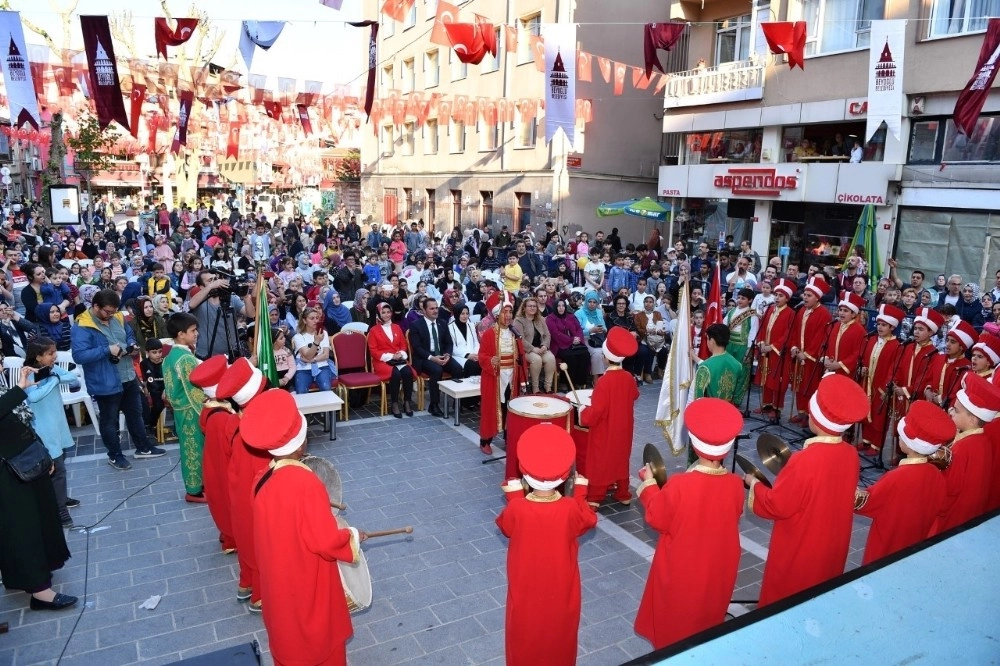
233	143
166	37
138	97
713	311
105	86
973	96
372	63
304	119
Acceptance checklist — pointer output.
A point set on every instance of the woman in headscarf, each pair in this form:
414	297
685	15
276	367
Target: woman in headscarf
359	311
969	308
161	305
415	313
568	344
466	342
147	323
33	543
595	331
53	325
337	314
450	302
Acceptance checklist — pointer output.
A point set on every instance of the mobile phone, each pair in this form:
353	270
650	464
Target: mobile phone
457	381
43	373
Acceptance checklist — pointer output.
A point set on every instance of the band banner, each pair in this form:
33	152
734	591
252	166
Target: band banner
885	77
560	79
372	63
17	76
105	86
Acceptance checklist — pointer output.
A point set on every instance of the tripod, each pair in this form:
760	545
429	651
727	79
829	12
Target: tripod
227	318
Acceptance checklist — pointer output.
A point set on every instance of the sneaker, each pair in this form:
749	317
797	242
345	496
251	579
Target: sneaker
243	594
68	524
256	607
119	462
151	452
72	503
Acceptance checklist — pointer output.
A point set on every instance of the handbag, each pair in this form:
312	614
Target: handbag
32	463
596	340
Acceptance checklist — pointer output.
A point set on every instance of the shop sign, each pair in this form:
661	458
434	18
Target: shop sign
751	182
857	108
574	161
852	198
670	193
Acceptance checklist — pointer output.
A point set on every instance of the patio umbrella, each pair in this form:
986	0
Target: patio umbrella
648	208
612	209
866	237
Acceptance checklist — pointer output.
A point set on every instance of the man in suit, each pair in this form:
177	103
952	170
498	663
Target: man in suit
432	347
14	331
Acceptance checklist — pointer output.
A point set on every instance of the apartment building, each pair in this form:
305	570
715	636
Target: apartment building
452	174
763	151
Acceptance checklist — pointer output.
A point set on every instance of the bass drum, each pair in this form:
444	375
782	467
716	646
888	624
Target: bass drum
526	411
330	477
356	579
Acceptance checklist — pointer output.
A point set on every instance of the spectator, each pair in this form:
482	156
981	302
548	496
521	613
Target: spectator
15	331
953	294
969	307
31	295
220	335
54	324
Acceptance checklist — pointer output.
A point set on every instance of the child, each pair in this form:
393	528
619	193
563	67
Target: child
763	300
159	283
372	271
384	265
185	401
152	382
697	322
543	570
55	290
48	417
283	358
904	503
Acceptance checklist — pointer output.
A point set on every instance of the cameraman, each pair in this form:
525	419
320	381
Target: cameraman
206	303
103	345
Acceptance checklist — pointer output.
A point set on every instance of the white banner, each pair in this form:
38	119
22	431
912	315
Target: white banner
560	79
885	77
17	72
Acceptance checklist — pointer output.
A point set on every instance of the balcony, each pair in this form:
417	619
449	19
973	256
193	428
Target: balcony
728	82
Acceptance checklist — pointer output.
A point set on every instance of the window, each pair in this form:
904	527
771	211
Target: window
431	213
953	17
489	63
526	27
432	73
387	81
487	136
938	140
803	142
409	76
431	136
388	141
456	209
388	28
407	206
525	131
839	25
486	209
457	136
411	17
723	147
459	70
430	9
732	39
408	142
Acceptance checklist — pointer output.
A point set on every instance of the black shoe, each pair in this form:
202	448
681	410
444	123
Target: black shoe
72	503
395	410
434	410
151	452
58	603
409	408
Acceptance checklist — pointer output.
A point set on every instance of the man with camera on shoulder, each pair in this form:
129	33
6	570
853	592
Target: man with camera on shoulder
212	295
104	346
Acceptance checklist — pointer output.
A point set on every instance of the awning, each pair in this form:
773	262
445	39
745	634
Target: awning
117	179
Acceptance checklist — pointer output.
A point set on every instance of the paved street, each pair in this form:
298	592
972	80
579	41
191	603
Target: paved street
438	595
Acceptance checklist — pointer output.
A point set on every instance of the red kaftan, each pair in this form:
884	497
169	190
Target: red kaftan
902	505
697	555
845	347
968	480
911	374
944	376
775	366
543	576
993	434
215	424
812	505
245	464
298	543
611	419
879	360
809	332
490	419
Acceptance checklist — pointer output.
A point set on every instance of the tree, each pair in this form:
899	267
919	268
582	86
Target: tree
57	151
349	167
92	147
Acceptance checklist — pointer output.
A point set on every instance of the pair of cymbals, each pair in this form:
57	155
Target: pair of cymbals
651	456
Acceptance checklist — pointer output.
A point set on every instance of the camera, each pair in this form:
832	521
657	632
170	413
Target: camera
128	351
236	286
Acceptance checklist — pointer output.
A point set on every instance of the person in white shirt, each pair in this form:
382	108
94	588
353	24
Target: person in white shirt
857	152
636	300
465	342
741	278
763	300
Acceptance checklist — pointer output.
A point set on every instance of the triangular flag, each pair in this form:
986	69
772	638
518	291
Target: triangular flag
605	65
620	69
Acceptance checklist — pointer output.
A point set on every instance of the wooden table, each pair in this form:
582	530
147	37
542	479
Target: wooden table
824	158
467	388
321	402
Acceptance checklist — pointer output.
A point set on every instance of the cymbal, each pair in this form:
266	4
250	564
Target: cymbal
773	452
651	456
751	469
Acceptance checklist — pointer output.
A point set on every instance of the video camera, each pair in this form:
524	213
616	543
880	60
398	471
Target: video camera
239	287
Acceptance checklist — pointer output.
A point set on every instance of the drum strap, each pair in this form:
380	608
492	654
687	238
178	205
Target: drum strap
263	480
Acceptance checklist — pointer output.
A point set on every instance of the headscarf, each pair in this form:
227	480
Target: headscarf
594	317
160	304
462	326
358	295
338	313
51	330
975	290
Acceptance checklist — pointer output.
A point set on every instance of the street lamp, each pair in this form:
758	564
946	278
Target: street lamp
142	159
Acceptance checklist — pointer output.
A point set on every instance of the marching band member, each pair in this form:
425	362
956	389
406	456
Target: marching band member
697	515
217	424
846	338
297	540
810	333
502	359
904	503
543	569
945	372
968	476
811	502
774	366
878	362
611	419
914	362
985	355
743	325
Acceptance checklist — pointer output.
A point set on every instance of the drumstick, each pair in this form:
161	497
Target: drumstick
338	507
399	530
563	367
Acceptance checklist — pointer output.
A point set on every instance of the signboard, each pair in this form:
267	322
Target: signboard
856	108
64	202
865	183
574	161
728	82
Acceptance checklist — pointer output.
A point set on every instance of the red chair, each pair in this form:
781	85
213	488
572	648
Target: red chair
350	354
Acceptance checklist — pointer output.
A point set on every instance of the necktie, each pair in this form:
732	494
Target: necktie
435	349
16	339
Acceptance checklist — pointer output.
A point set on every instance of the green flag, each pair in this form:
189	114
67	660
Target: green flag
262	338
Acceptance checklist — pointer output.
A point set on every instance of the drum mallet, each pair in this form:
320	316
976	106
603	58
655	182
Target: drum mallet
338	507
564	368
399	530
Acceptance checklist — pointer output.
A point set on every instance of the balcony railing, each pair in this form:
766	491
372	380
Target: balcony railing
728	82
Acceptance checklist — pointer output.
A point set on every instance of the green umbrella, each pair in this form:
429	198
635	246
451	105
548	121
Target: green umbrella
647	208
612	209
865	236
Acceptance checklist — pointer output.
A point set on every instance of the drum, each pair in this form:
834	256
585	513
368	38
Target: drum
528	411
328	474
580	433
356	579
583	394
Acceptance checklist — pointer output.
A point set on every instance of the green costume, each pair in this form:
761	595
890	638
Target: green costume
716	377
185	402
742	329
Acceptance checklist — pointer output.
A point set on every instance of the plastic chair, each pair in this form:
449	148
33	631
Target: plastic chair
350	354
12	369
72	398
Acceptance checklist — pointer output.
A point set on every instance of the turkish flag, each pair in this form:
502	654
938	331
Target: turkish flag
584	66
538	51
446	13
397	9
605	66
510	38
620	69
467	42
488	31
444	113
166	37
138	97
973	96
788	38
659	36
661	84
639	79
304	119
584	110
273	110
233	143
713	311
152	123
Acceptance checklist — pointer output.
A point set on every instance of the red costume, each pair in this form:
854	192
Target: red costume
914	363
812	501
809	331
944	376
698	552
902	505
494	342
215	424
878	359
968	480
847	339
379	343
775	366
543	570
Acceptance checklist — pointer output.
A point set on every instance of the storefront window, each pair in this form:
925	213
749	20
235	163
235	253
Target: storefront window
726	146
938	140
829	143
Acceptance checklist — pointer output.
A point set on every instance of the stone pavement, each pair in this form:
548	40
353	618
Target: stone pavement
438	594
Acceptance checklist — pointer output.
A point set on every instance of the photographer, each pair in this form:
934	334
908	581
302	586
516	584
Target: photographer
207	300
103	344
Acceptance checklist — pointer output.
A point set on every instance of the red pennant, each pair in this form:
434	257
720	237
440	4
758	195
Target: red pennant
166	37
788	38
584	65
584	110
138	97
446	13
444	113
661	84
639	79
304	119
151	125
620	69
973	96
538	51
233	143
397	9
467	42
510	38
273	110
605	66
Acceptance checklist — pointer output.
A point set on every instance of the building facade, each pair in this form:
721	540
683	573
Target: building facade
764	152
475	175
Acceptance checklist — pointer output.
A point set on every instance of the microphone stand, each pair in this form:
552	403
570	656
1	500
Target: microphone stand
755	354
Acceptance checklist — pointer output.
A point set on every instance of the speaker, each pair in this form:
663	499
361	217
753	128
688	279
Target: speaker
247	654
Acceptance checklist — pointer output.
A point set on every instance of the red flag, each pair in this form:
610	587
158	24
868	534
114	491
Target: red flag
152	124
510	38
620	69
233	144
538	51
273	109
105	86
466	41
446	13
489	34
372	63
659	36
789	38
713	311
973	96
605	66
397	9
584	69
639	79
138	97
304	119
166	37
